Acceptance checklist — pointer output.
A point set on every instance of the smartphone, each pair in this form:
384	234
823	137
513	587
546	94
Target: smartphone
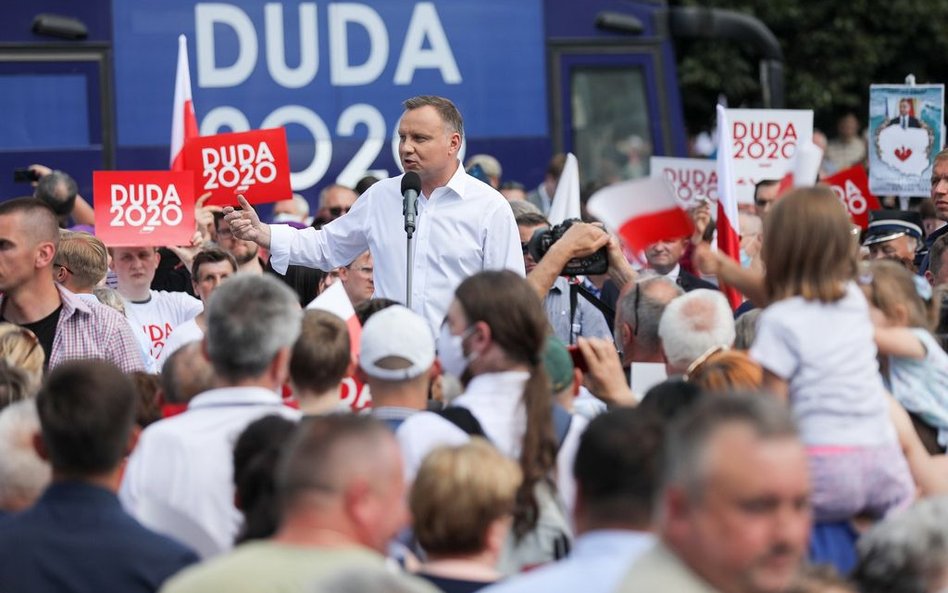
579	361
25	175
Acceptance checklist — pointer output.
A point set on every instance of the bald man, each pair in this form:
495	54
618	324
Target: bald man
66	327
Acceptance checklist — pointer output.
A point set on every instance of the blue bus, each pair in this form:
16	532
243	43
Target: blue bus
89	85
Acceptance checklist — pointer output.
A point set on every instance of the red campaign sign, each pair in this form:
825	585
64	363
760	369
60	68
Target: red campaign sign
144	208
255	164
851	186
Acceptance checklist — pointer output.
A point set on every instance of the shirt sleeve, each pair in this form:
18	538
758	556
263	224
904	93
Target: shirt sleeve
190	307
123	349
502	246
775	349
334	245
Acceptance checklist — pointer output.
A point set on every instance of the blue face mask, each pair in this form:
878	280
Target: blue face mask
745	259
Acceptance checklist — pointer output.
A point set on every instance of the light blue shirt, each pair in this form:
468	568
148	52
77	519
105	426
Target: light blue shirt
597	564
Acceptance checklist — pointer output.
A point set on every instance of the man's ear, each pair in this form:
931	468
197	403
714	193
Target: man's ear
39	445
45	254
930	277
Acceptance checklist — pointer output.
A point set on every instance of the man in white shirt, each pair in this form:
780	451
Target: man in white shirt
210	267
153	314
617	476
179	480
463	225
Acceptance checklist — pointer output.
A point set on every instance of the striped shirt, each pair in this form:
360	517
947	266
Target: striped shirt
93	330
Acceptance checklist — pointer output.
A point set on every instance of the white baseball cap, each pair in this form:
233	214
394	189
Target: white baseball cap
396	332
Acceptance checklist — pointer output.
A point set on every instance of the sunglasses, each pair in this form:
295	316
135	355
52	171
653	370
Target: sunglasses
337	211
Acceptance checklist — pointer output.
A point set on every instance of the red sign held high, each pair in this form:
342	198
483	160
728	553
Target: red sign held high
255	164
144	208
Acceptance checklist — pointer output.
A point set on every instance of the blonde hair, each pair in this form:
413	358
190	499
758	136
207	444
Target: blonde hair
808	248
892	285
85	256
20	349
727	371
458	493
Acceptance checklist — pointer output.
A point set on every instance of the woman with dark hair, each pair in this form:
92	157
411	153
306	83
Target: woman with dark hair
493	338
255	458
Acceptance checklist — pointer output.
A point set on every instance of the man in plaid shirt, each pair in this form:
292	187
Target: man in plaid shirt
66	327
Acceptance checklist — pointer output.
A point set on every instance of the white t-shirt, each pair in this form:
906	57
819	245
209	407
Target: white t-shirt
154	320
827	353
187	332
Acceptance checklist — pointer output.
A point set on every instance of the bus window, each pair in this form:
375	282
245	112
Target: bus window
610	123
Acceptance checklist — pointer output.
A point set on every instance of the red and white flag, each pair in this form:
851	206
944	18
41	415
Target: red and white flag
729	234
183	123
642	212
335	300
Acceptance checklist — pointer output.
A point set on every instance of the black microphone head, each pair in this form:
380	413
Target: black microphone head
412	181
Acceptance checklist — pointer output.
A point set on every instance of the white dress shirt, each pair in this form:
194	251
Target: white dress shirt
184	465
461	229
597	564
494	399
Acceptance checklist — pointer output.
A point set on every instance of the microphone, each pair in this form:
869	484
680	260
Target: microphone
411	187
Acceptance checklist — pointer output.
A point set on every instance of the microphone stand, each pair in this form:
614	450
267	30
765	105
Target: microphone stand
409	212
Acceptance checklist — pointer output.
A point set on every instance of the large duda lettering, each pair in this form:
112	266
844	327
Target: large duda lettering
145	205
425	47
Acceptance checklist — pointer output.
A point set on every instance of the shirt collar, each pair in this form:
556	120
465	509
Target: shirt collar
458	181
496	385
603	542
71	303
235	396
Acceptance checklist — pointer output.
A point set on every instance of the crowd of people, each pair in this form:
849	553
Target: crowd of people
178	419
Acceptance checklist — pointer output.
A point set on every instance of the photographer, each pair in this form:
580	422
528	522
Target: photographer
59	191
571	315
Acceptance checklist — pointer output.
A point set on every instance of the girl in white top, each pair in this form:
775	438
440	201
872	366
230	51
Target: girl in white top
914	365
815	342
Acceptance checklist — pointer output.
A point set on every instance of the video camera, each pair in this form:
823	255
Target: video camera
540	242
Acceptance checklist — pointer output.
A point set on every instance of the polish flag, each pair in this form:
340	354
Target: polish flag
729	235
642	212
565	203
183	123
335	300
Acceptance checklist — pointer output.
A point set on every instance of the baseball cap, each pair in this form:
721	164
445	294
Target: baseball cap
400	333
558	364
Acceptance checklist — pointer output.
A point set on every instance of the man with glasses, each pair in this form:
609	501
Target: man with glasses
81	263
334	201
247	253
463	226
638	314
765	195
357	279
67	327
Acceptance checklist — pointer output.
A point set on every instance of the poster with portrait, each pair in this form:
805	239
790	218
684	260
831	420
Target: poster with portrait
905	134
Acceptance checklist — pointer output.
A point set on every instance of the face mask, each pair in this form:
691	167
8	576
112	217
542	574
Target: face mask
745	259
286	217
451	351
